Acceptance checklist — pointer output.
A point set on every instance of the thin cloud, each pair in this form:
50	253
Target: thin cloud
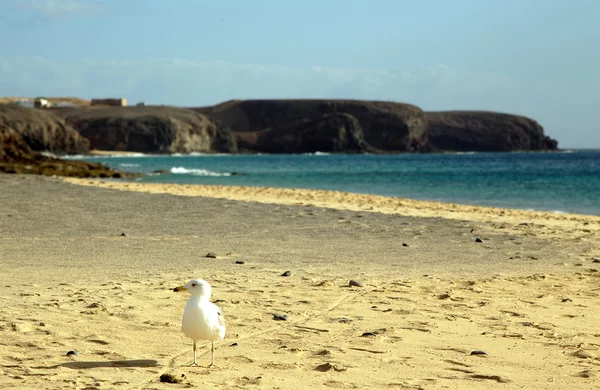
60	8
189	82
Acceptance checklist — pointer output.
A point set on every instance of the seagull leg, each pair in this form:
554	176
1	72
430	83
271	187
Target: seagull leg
212	350
194	364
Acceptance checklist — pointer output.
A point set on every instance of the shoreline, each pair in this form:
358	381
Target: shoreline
361	202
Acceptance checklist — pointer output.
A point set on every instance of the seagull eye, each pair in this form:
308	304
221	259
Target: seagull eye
194	284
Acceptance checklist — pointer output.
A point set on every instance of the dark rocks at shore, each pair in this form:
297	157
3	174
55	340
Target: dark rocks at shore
149	129
306	126
481	131
42	130
16	156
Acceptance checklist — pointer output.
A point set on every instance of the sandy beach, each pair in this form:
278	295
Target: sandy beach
89	266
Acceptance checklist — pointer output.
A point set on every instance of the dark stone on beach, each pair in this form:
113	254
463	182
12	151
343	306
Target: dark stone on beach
170	378
478	239
567	300
234	345
287	273
280	317
72	353
478	352
123	234
356	283
212	255
239	262
596	261
404	244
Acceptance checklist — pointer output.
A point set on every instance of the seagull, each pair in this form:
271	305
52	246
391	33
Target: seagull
202	320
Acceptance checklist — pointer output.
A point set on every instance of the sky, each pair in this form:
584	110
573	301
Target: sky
538	58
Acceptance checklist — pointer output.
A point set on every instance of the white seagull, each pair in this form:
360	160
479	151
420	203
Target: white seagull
202	320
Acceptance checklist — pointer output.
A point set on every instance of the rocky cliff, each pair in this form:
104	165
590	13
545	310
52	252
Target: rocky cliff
293	126
42	130
486	132
149	129
17	157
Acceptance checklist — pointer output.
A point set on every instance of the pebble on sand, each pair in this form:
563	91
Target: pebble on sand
239	261
280	317
478	352
123	234
356	283
287	273
72	353
404	244
478	239
596	261
211	255
170	378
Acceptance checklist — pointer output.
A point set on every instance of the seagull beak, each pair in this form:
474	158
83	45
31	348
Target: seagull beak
179	289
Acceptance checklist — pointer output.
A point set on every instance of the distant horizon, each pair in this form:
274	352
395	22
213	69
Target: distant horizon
520	57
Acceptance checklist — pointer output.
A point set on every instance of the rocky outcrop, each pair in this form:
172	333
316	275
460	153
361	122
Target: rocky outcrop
290	126
486	132
17	157
42	130
333	133
149	129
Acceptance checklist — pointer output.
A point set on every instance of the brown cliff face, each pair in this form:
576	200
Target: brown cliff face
17	157
285	126
149	129
486	132
42	130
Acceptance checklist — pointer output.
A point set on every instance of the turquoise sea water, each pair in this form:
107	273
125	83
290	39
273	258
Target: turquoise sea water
561	182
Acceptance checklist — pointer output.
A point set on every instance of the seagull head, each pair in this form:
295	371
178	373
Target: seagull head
196	287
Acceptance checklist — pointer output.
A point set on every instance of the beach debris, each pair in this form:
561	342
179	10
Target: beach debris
239	261
595	260
287	273
478	352
211	255
496	378
356	283
374	333
310	328
328	367
234	345
170	378
345	320
280	317
72	353
567	300
477	239
404	244
123	234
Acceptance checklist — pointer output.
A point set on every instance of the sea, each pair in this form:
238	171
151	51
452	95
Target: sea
562	182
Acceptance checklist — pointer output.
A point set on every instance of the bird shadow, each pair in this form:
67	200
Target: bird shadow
107	364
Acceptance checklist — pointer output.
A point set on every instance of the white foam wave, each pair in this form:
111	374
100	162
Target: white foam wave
197	172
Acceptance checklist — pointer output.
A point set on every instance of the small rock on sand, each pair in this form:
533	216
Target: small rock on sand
170	378
478	239
356	283
72	353
287	273
212	255
280	317
478	352
596	261
239	262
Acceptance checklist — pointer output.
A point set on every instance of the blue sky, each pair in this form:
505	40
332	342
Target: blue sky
538	58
